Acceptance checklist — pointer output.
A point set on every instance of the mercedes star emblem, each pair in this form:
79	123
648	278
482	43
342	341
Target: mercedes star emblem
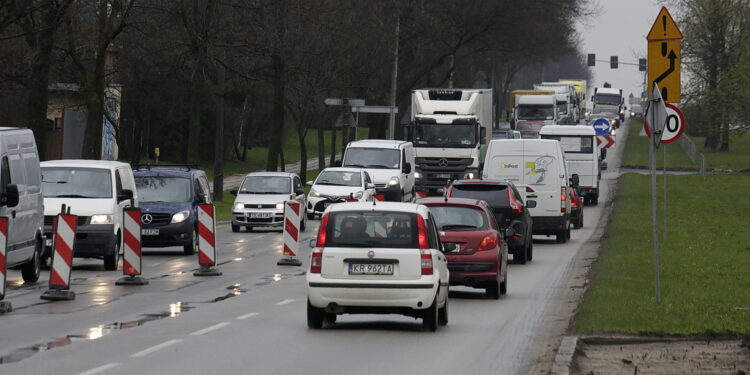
443	162
260	206
371	254
147	218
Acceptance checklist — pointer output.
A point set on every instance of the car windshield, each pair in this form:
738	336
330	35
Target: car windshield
445	135
339	178
372	229
607	99
383	158
459	218
163	189
65	182
574	144
536	112
495	195
266	185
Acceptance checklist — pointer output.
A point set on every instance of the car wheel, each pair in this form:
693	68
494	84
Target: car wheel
443	314
519	256
33	268
561	237
311	216
430	317
504	285
330	318
235	228
580	220
529	251
315	316
595	200
493	290
576	224
567	233
303	224
190	249
111	260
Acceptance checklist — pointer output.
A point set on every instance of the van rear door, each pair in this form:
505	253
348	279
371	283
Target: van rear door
542	171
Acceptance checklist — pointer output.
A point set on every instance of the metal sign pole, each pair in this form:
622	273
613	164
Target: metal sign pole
654	216
664	211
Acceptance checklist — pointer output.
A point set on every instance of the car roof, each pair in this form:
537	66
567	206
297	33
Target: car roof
83	163
341	169
272	174
378	143
484	181
380	206
567	130
168	171
442	201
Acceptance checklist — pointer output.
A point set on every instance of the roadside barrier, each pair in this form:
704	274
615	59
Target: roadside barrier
5	306
64	229
131	241
206	241
291	234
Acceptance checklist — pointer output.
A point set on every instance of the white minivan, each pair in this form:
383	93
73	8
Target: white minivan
537	168
21	201
390	164
581	156
96	191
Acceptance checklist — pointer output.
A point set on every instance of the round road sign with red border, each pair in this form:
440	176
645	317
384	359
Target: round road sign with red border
675	125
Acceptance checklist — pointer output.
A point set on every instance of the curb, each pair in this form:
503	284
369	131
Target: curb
564	357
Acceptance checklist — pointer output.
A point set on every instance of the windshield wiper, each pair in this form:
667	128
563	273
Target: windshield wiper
55	182
72	196
356	165
262	192
458	226
378	166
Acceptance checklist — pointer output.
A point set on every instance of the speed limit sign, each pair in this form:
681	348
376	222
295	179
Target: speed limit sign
674	127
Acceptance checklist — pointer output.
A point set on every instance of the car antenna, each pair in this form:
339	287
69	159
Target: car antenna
373	201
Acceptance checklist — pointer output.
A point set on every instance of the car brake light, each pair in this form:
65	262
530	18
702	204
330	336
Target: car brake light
426	258
316	262
513	204
563	198
422	234
489	242
321	242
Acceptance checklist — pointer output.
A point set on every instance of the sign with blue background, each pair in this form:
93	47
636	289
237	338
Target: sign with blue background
602	126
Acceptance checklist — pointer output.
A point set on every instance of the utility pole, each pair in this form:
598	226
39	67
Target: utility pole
394	78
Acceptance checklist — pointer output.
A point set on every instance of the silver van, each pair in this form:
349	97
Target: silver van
21	200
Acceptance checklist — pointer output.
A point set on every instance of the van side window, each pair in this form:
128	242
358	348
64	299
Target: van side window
5	173
118	183
33	178
367	178
297	184
16	171
404	160
204	186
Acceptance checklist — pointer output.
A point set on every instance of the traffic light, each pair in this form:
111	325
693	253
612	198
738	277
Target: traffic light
641	65
613	62
592	59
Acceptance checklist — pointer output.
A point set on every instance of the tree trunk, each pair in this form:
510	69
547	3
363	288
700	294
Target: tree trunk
194	115
333	144
93	93
724	138
38	88
302	150
277	133
219	136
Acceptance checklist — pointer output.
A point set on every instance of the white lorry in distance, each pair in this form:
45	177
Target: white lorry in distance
567	93
607	97
582	157
532	112
448	129
581	88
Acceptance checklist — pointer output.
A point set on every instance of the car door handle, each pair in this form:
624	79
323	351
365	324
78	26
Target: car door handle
532	196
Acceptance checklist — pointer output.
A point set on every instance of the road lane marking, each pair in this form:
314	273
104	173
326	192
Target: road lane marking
248	315
154	348
100	369
284	302
209	329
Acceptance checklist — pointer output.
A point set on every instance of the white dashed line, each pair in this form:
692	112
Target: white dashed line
284	302
209	329
154	348
100	369
248	315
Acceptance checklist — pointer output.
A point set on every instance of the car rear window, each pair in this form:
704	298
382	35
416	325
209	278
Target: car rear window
459	218
372	229
494	195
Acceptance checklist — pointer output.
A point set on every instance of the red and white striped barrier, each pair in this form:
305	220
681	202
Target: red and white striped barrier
132	257
206	241
4	305
291	234
64	230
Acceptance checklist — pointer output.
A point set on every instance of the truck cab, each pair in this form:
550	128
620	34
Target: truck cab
581	157
532	112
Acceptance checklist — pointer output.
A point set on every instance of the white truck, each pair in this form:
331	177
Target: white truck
567	100
608	97
581	87
449	129
582	157
532	112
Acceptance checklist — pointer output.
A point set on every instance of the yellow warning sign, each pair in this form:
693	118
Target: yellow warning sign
664	59
664	28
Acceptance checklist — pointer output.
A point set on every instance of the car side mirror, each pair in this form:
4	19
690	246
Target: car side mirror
337	163
449	246
530	203
300	191
483	135
407	167
309	183
125	194
370	185
10	198
574	180
233	192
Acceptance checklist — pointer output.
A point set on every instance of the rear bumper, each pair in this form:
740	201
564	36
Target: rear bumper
359	294
92	241
588	191
475	270
549	224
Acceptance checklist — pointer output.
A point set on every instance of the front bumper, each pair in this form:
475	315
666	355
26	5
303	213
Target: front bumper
412	294
179	234
92	240
549	224
273	218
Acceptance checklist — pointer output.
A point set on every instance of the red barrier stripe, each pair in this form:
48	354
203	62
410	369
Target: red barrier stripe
132	243
66	253
206	234
288	251
135	215
295	208
129	269
291	229
204	259
55	279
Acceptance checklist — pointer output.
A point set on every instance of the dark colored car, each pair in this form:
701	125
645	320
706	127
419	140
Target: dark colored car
480	259
169	197
507	207
576	209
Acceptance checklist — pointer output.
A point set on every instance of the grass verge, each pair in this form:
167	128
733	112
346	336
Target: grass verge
636	153
704	262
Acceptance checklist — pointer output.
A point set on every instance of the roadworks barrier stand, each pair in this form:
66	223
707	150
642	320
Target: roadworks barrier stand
5	306
64	229
291	234
206	241
132	256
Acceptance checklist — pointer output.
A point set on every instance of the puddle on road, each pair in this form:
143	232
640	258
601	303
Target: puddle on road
268	280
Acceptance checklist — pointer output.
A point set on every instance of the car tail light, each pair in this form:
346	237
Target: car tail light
316	262
422	233
426	258
489	242
529	189
513	204
563	198
321	242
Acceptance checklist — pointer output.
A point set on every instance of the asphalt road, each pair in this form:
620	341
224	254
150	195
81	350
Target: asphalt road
252	318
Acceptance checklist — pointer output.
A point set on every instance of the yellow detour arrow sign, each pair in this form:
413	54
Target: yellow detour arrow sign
664	56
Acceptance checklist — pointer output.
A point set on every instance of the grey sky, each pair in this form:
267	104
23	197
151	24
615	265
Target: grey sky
620	30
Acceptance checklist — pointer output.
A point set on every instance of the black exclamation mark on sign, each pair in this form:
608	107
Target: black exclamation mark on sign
664	24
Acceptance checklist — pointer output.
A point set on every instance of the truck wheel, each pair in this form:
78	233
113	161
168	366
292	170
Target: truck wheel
33	268
111	260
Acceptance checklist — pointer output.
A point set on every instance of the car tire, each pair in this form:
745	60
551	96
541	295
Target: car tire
530	251
493	290
519	256
249	229
33	268
580	220
315	316
235	228
303	224
567	233
430	317
193	246
577	223
443	314
595	200
561	237
111	260
311	216
504	285
330	318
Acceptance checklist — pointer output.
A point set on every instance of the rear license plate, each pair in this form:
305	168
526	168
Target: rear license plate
149	232
370	269
443	175
260	215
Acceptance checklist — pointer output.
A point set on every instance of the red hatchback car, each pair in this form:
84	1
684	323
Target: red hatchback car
480	259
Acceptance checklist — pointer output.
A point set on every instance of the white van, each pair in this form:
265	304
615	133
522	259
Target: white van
390	164
21	201
537	168
96	191
581	157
